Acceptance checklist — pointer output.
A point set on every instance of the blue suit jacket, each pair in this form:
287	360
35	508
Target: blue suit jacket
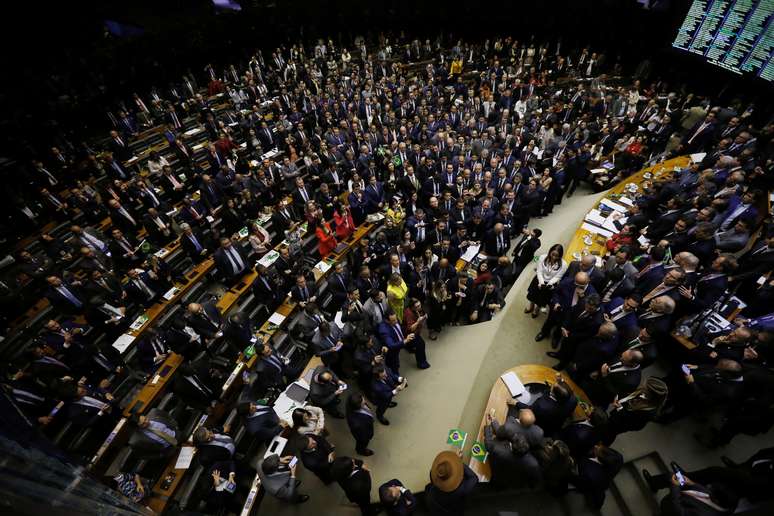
563	293
626	324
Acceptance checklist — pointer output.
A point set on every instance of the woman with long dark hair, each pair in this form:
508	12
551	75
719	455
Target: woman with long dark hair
549	270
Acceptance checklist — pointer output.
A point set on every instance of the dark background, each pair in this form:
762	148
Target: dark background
63	68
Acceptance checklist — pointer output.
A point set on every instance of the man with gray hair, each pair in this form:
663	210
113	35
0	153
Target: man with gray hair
193	242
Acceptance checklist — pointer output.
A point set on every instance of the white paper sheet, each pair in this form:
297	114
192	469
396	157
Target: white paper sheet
596	230
625	200
323	266
338	320
513	383
276	318
698	157
169	294
268	259
123	342
613	205
185	457
470	253
595	217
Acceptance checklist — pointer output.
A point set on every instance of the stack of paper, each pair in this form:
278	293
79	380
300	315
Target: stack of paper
596	230
698	157
513	383
595	217
323	266
268	259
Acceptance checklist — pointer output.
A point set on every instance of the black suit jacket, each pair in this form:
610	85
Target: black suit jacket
225	268
207	326
361	426
149	448
190	248
593	478
263	425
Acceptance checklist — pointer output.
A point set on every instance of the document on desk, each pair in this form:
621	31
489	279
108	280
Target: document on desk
470	253
613	205
169	294
596	230
276	318
625	200
595	217
609	222
268	259
139	322
185	457
123	342
323	266
513	383
698	157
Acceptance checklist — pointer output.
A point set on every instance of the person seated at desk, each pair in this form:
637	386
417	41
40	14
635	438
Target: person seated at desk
278	478
214	445
152	350
86	407
194	243
522	421
260	421
157	435
325	390
205	319
512	464
230	261
396	499
554	407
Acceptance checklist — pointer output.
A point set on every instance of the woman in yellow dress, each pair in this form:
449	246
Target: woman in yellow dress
397	290
395	212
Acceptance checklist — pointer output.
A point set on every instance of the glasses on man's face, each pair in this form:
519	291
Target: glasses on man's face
579	285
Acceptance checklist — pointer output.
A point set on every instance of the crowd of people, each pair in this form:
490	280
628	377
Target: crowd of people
464	149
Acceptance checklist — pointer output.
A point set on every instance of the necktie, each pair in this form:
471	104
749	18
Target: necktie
70	296
236	260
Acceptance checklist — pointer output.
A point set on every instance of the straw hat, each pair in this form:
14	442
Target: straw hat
447	471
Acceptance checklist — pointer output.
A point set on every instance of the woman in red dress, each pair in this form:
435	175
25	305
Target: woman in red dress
326	239
342	217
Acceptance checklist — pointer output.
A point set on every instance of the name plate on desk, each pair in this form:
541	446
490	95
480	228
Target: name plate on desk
169	294
139	322
161	253
191	132
123	342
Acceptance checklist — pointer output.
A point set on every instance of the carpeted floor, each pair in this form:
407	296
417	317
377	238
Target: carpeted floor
466	361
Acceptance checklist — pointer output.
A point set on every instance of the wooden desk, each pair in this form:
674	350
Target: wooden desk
500	394
597	247
155	386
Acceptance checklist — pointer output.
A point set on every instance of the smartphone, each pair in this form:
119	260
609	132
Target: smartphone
686	370
680	477
168	481
293	462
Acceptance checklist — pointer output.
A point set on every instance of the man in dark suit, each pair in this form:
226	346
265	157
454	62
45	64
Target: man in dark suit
65	296
159	227
391	335
194	243
396	499
260	421
497	241
124	250
119	147
303	292
581	436
512	464
123	218
700	135
230	260
616	378
214	445
487	299
587	264
274	370
279	479
596	473
554	407
205	319
384	386
142	288
360	419
266	289
317	455
355	479
107	287
623	313
525	250
581	323
238	332
157	435
325	389
193	385
570	291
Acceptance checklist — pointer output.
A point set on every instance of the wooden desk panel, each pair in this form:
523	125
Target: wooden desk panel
152	390
500	395
577	245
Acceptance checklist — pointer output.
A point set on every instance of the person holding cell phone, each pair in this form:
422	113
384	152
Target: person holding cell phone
278	478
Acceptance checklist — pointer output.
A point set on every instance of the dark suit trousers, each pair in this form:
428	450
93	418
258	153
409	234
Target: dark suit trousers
552	321
417	347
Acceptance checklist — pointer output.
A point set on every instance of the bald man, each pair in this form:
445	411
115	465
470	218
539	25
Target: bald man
570	291
522	421
587	264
